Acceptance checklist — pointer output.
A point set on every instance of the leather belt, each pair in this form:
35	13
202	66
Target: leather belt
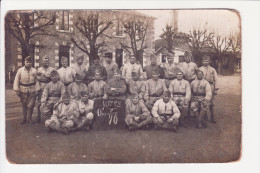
29	84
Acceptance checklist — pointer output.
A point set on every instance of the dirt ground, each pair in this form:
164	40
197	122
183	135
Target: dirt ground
218	143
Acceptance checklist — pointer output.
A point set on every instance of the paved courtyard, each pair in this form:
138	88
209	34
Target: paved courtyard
218	143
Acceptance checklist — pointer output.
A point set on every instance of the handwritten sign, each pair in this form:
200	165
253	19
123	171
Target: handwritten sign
109	114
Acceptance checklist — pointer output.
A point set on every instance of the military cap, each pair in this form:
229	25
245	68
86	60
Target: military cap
28	58
166	93
198	70
205	57
65	95
63	58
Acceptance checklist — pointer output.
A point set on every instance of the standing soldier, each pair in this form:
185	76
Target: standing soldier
51	95
154	89
66	73
97	87
137	115
44	77
27	87
170	68
211	76
130	67
116	87
181	94
96	66
76	87
201	96
110	66
188	67
165	113
79	67
152	67
136	86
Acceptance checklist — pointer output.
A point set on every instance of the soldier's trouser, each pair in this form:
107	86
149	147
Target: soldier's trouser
39	104
84	121
182	105
142	122
165	124
28	103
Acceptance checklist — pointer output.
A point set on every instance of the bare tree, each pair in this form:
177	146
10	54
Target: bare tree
220	45
92	26
27	25
196	40
168	36
136	27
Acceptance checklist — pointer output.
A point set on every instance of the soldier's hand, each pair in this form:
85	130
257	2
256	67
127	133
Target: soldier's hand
169	120
38	73
18	93
160	120
136	118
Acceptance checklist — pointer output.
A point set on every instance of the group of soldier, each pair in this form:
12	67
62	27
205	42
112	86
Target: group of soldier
162	95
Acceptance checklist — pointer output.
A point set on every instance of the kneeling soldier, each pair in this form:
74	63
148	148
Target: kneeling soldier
51	95
181	93
85	117
137	115
63	115
201	96
165	113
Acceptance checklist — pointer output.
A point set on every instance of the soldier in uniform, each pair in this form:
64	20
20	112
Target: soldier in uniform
170	68
137	115
152	67
181	94
188	67
130	67
79	67
44	77
76	87
27	87
51	95
116	87
211	76
63	115
165	113
201	96
110	66
66	73
136	86
96	66
154	89
97	87
85	117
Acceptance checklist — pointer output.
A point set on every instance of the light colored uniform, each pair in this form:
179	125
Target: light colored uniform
74	90
137	87
180	93
170	72
211	76
110	68
50	96
80	69
200	90
188	70
114	84
137	113
129	68
85	113
26	82
64	114
154	91
97	89
165	111
66	75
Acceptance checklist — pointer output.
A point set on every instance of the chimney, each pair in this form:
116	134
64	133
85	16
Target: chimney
175	20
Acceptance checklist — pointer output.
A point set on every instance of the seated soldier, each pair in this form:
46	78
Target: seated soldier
154	89
51	95
137	115
63	115
201	96
181	93
116	87
97	87
165	113
85	117
136	86
76	87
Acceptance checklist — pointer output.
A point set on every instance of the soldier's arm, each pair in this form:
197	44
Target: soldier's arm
215	76
194	75
155	109
144	109
175	110
208	92
188	91
45	94
104	77
171	88
70	90
16	85
142	90
146	95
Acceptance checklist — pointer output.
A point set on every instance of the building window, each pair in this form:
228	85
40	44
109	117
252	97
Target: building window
119	28
64	21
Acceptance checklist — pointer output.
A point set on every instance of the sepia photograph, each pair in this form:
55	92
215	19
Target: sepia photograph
123	86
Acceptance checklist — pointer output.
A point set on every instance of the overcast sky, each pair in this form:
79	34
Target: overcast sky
222	22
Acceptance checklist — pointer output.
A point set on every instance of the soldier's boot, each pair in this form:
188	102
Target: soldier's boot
198	117
73	129
202	114
183	115
24	115
212	113
39	115
133	126
60	130
170	127
29	115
